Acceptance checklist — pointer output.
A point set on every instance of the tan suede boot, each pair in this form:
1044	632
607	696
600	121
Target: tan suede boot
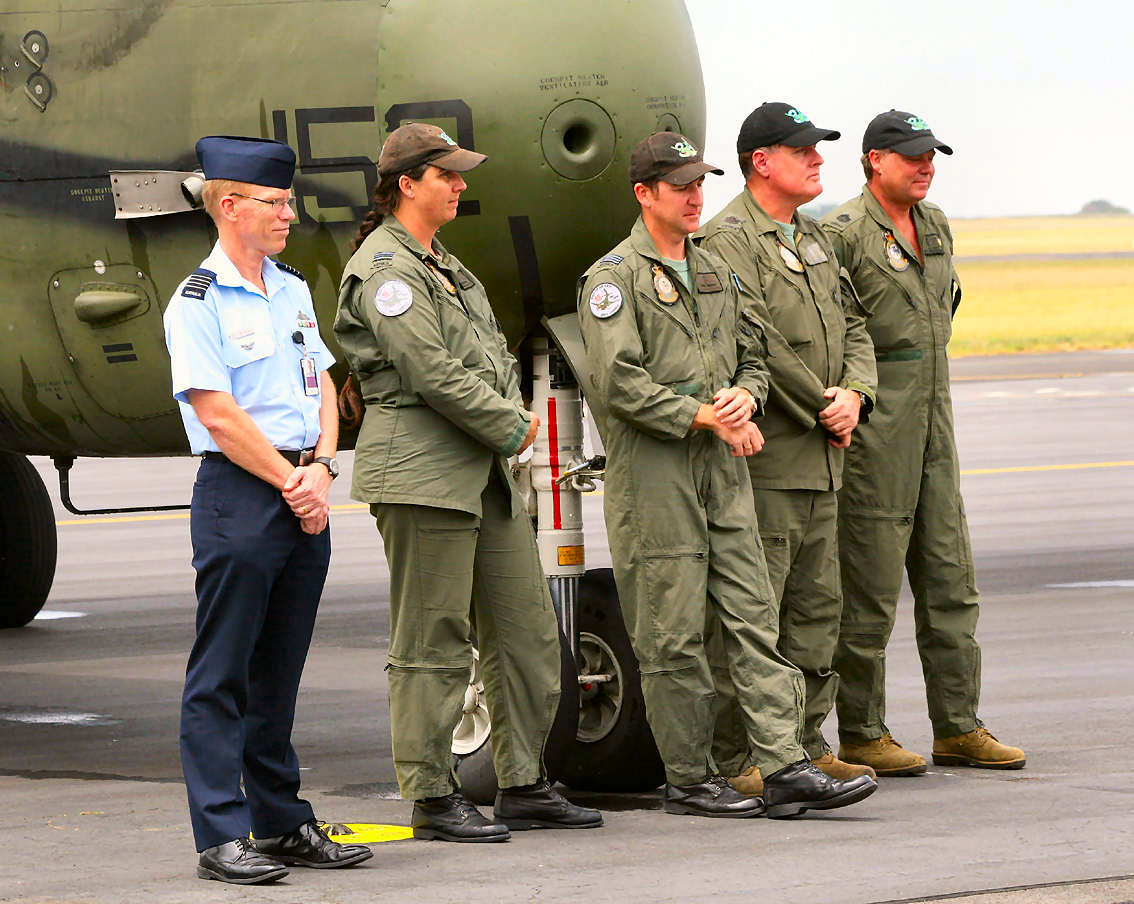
749	782
837	769
885	755
977	748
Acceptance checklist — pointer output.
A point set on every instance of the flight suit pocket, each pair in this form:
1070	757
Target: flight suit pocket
443	560
777	555
675	584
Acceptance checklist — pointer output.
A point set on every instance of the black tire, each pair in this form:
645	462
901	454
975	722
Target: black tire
626	757
475	770
27	542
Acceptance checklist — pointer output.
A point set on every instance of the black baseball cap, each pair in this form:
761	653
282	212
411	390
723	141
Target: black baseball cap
775	123
670	157
905	133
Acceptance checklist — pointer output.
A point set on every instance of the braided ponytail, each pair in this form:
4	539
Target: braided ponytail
387	196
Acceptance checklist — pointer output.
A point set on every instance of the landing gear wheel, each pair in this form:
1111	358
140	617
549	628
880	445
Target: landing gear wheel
27	542
472	738
614	749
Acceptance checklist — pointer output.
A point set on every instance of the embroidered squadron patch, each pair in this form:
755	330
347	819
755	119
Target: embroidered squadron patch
895	256
663	285
605	300
393	297
790	258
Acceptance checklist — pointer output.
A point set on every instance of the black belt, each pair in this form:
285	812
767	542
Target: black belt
292	455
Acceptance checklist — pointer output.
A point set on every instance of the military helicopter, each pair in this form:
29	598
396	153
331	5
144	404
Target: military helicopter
100	107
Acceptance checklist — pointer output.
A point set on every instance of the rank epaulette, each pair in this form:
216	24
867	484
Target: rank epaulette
382	257
287	268
612	259
198	283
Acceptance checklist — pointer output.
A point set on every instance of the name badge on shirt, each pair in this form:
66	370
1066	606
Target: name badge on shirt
707	283
310	377
933	244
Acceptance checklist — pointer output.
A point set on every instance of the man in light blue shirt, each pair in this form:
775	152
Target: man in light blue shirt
250	376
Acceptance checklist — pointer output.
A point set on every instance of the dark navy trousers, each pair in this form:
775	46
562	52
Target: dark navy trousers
259	578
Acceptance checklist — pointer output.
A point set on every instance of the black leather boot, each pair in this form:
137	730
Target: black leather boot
452	818
802	786
712	797
540	806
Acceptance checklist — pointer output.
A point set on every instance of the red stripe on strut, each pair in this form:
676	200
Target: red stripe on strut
553	442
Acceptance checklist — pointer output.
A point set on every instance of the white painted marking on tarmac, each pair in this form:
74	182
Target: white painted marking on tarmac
1089	584
58	718
49	614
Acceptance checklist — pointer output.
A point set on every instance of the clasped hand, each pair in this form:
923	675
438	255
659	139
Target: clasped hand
306	491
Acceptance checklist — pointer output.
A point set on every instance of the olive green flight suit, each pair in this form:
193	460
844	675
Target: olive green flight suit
901	497
816	335
443	412
679	512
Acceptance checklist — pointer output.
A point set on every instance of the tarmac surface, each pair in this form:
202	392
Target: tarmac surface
94	805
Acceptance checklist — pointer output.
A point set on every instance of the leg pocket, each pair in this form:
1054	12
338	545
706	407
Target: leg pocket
676	584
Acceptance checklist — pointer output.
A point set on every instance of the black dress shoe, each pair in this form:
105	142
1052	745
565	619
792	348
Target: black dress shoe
452	818
238	862
801	786
712	797
308	845
540	806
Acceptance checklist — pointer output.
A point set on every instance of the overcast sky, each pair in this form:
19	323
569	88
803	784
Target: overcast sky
1036	98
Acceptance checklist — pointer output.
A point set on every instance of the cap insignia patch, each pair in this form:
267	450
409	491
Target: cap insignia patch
797	116
685	149
917	123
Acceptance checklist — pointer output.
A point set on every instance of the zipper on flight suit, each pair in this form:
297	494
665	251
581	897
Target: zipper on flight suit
705	358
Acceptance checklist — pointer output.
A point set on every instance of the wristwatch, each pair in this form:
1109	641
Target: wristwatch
329	463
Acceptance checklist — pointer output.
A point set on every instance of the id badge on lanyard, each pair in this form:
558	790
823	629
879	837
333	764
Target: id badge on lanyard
307	373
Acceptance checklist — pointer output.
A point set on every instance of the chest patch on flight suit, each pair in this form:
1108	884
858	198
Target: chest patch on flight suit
393	297
663	285
789	258
198	283
445	282
707	283
464	280
605	300
895	256
932	244
813	254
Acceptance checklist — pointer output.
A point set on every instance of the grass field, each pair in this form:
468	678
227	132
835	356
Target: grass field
1033	304
1043	235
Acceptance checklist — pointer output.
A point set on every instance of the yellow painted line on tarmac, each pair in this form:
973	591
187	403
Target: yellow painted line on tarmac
368	833
180	516
1075	467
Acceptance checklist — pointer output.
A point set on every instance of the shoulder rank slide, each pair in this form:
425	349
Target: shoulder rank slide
287	268
198	283
612	259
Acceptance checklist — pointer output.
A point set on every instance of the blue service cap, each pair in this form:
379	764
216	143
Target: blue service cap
258	161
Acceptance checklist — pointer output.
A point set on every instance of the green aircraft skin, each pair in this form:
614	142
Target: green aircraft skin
556	94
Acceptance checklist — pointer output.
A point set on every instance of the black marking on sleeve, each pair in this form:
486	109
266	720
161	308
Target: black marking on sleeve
198	283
